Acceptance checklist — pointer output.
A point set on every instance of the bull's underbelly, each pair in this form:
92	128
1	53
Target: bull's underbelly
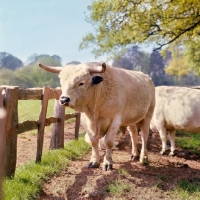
131	122
185	129
130	115
191	126
134	118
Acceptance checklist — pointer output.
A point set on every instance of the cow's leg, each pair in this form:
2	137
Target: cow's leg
163	136
144	137
109	140
95	159
172	142
122	131
134	141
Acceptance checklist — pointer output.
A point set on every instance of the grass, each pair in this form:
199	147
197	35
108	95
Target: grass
189	142
28	179
162	177
123	172
119	186
188	189
30	110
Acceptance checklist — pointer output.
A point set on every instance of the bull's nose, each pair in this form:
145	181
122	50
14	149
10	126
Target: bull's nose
64	100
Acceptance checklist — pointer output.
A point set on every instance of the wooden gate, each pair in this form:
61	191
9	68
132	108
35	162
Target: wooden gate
10	128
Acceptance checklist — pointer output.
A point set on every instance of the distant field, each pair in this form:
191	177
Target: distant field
30	109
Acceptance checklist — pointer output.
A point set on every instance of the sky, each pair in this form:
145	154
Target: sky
53	27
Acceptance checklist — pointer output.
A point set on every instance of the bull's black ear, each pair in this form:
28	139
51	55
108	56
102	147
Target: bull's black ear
96	80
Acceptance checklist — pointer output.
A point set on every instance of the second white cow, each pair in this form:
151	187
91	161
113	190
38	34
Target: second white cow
177	108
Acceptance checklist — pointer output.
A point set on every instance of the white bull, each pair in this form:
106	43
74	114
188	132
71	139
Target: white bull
177	108
108	98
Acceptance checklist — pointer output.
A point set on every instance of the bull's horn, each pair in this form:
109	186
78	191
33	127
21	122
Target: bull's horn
55	70
99	69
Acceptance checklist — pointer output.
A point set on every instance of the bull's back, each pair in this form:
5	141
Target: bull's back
139	96
180	108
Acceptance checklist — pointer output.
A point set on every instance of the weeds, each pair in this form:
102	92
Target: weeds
189	142
118	187
188	189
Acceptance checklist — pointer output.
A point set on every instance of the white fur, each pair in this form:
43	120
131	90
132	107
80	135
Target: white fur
123	98
177	108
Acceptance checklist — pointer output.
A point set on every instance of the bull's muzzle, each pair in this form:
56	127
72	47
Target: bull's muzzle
64	101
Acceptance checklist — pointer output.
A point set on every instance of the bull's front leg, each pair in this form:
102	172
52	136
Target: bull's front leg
95	159
109	140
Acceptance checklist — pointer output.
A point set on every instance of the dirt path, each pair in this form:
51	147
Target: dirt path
154	181
27	142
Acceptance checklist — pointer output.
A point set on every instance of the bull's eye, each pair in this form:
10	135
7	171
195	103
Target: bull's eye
81	84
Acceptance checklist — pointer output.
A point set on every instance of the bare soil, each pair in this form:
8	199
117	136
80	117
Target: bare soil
153	181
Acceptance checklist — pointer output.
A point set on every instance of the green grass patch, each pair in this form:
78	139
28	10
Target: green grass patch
189	142
29	178
188	189
162	177
123	172
120	185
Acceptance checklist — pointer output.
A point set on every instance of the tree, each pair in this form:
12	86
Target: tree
73	63
34	57
180	65
123	62
156	67
40	77
31	75
9	77
9	61
119	23
192	54
133	59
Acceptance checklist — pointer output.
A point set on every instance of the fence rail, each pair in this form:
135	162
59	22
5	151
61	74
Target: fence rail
10	128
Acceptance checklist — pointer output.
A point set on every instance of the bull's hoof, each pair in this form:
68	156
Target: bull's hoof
172	153
93	165
134	158
107	167
163	153
145	161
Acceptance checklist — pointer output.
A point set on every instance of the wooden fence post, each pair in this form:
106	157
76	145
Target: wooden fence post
42	122
57	138
11	123
77	125
2	139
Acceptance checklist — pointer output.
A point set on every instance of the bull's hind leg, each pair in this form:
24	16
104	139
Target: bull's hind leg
144	137
134	141
163	136
172	142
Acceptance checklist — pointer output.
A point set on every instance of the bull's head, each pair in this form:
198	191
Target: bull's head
77	81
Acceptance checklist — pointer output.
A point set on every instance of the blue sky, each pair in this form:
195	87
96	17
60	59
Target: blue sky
45	27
